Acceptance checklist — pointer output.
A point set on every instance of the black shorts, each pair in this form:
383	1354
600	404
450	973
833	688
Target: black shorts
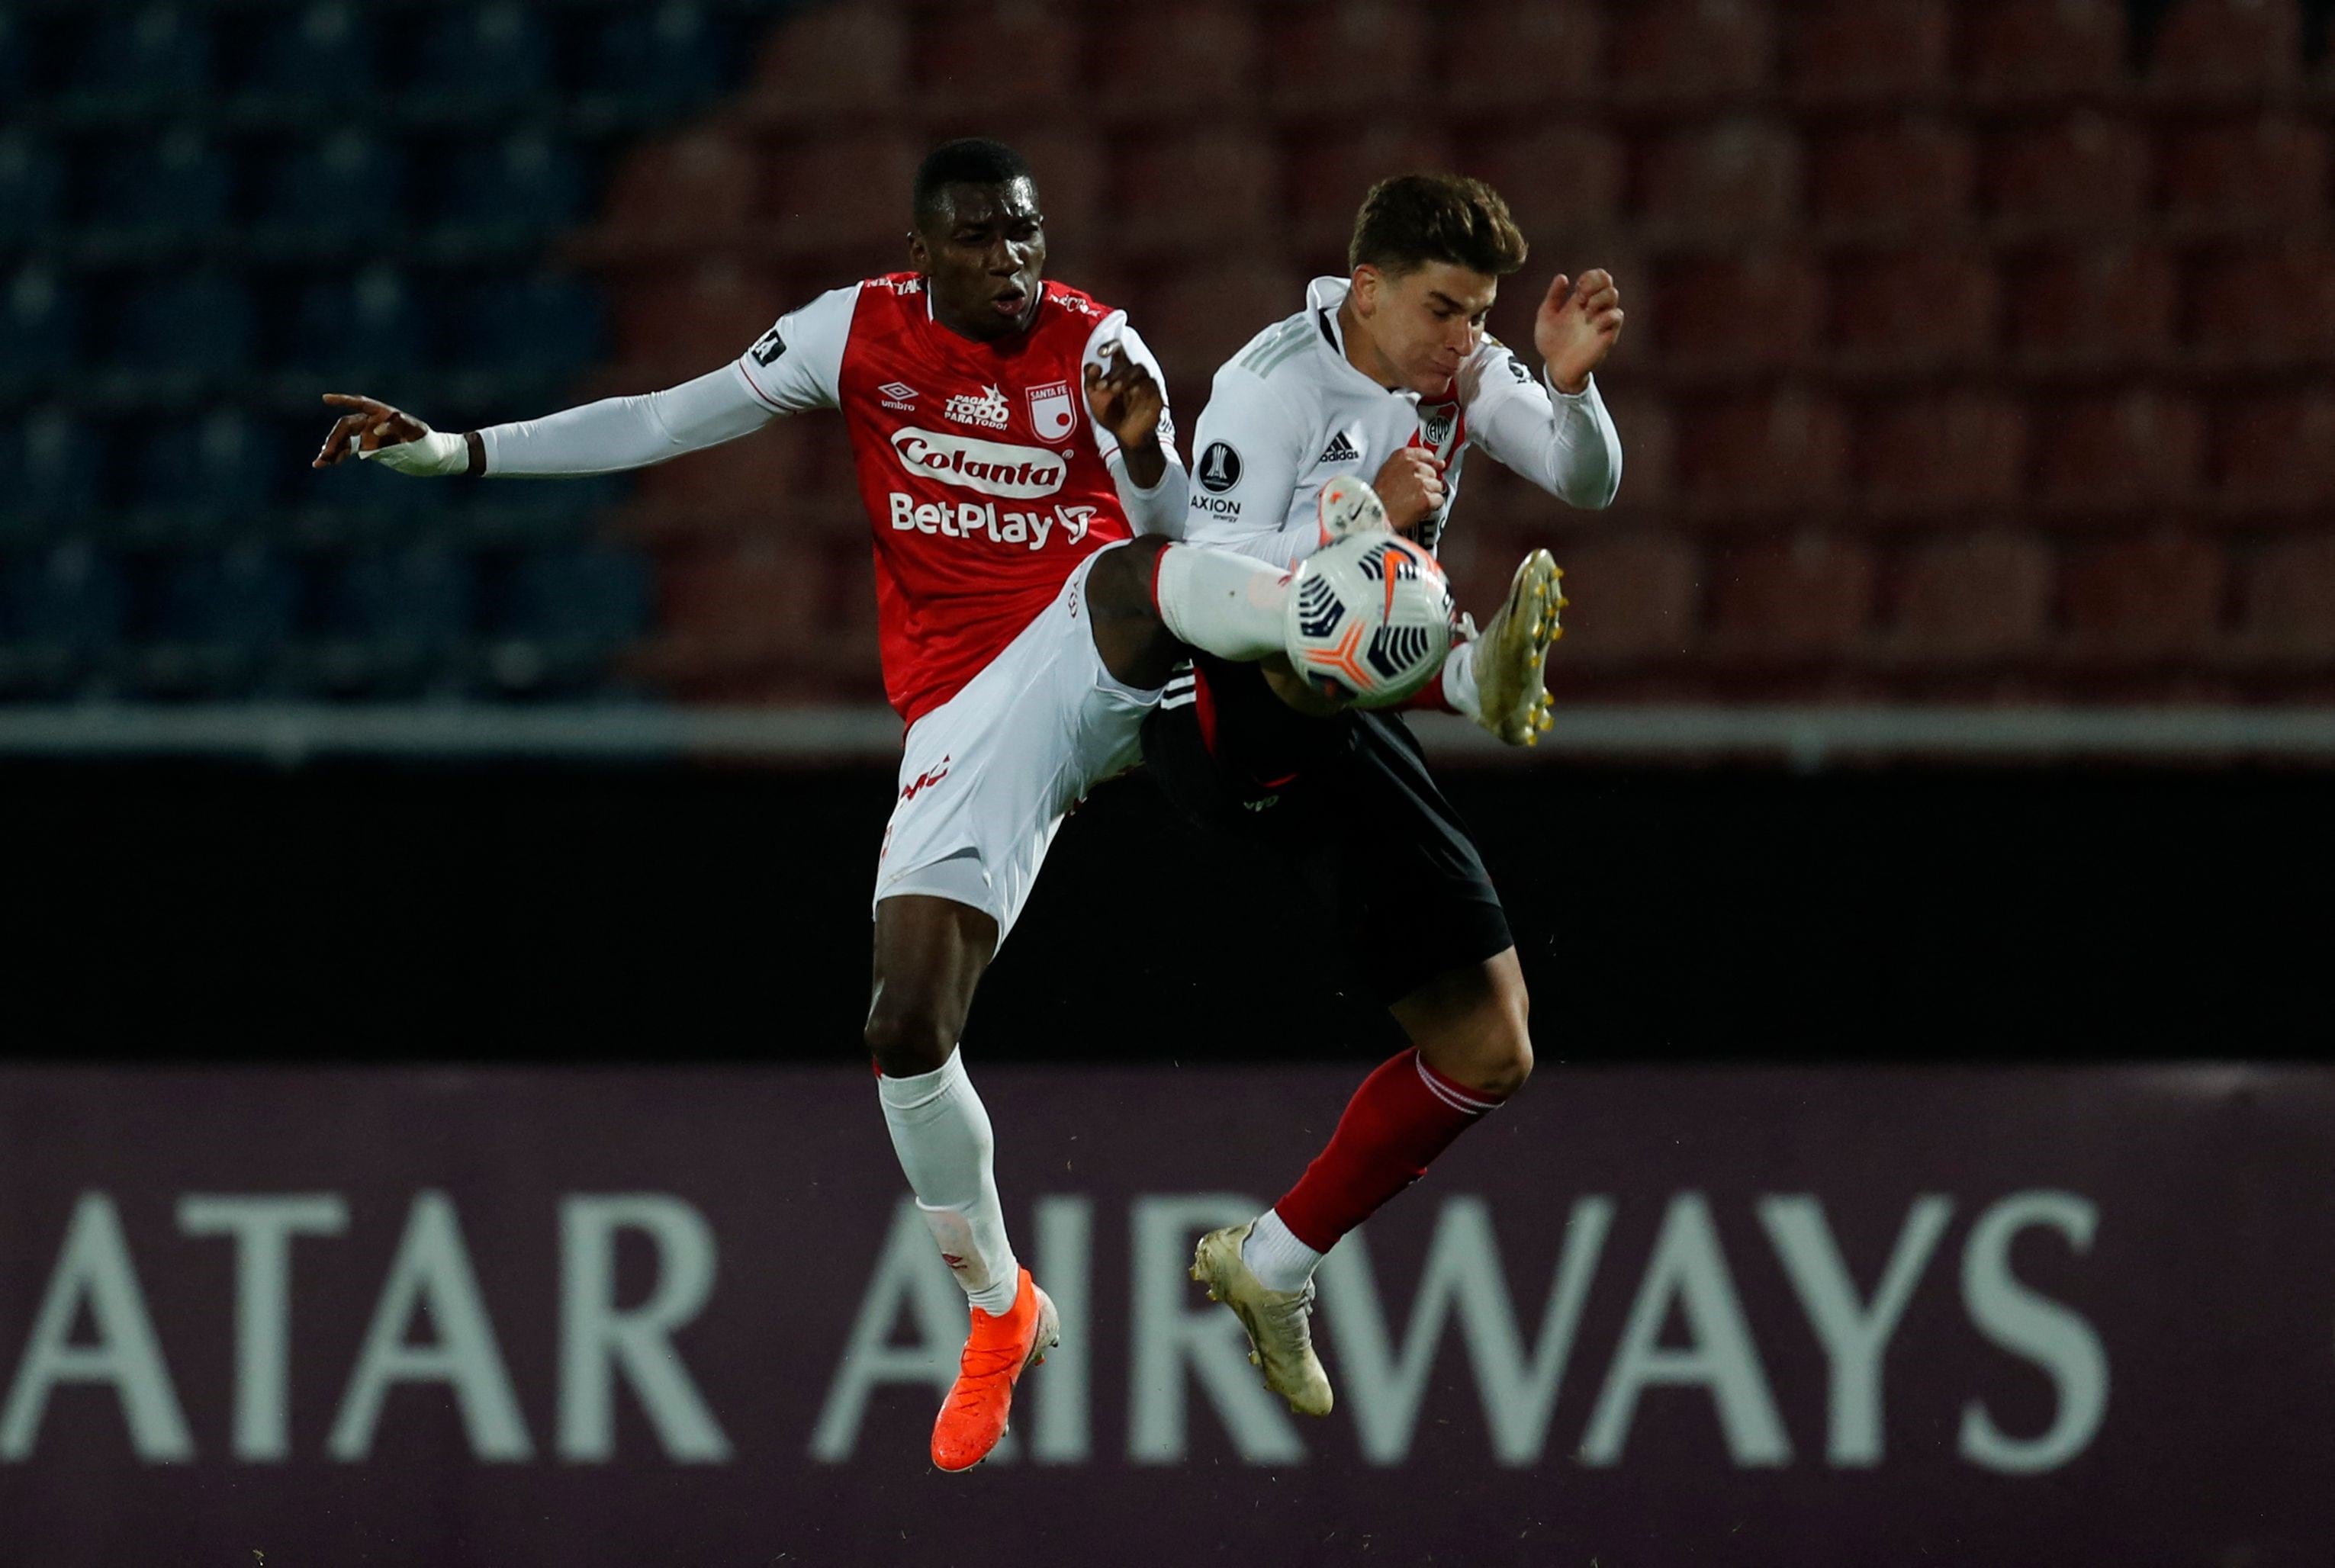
1348	804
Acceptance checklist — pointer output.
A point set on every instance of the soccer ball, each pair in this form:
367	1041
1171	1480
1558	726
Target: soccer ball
1369	620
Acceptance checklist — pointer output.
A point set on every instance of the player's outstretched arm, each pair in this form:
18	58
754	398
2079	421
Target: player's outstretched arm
1554	430
375	430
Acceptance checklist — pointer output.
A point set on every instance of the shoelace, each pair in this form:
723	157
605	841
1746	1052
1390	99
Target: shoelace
1293	1310
981	1362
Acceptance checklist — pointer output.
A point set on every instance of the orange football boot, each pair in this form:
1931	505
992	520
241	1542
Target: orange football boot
998	1351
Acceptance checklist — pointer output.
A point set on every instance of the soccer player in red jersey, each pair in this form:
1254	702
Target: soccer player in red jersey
1012	440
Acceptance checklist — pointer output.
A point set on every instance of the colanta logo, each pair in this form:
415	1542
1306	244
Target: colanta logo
993	468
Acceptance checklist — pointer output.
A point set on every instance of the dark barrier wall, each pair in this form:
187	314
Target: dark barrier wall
1889	1316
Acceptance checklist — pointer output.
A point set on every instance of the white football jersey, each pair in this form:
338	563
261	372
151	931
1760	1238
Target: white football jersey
1289	413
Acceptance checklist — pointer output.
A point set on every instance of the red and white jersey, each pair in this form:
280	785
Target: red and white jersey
985	479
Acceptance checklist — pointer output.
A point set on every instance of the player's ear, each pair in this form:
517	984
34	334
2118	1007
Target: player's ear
1368	280
920	257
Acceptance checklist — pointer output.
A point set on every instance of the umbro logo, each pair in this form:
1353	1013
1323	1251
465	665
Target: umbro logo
1339	451
899	394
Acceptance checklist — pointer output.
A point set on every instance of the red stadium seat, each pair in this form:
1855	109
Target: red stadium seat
2276	450
1761	311
2112	455
2274	305
828	61
1899	174
2258	172
1073	175
1942	452
1637	598
2042	49
753	597
1188	66
1327	177
2143	600
684	191
1648	447
790	475
1361	57
1557	179
1758	455
2287	601
1800	598
1524	55
845	198
1915	309
2227	47
672	324
1690	51
1867	51
1972	597
970	64
1197	317
1740	176
2083	172
2112	305
1205	192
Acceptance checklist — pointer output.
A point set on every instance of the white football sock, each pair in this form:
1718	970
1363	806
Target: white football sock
1275	1254
1220	602
941	1132
1460	680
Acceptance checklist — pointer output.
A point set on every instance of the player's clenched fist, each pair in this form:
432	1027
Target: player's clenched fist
1410	483
393	437
1576	326
1125	398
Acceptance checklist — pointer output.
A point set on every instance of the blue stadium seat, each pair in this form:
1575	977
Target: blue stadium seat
175	187
418	596
14	71
144	59
322	55
49	469
483	57
540	326
225	463
199	325
347	188
528	181
40	325
245	597
565	611
32	184
369	326
69	596
667	54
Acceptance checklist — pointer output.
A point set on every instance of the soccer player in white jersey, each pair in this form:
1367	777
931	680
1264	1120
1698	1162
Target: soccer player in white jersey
1387	371
1012	439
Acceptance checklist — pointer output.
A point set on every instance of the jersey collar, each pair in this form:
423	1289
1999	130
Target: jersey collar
1323	295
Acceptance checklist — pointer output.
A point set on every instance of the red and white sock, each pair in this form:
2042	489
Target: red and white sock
1403	1116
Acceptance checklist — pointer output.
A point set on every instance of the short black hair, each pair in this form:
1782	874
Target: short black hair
967	160
1412	219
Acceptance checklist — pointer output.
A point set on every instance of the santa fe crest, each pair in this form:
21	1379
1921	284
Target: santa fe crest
1052	414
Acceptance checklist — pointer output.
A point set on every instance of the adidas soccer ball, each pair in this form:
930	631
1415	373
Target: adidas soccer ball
1369	620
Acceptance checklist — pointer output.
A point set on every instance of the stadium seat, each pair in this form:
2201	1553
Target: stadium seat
792	473
1557	179
40	325
1898	175
368	327
1073	177
2275	305
482	58
1758	312
563	611
1197	317
395	617
2143	600
1913	309
50	471
1637	598
662	55
1202	193
1690	51
856	205
175	188
828	61
14	71
525	185
2109	306
2085	172
2264	171
2227	48
1524	55
671	325
1354	58
1191	64
1867	51
200	324
70	596
244	597
1649	445
1973	597
2287	601
223	463
752	599
342	192
967	65
1327	177
548	327
2276	450
680	193
2111	456
140	60
2031	50
1739	176
324	55
32	187
1938	452
1760	454
1803	598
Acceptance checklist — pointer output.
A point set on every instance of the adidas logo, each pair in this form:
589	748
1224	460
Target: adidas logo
1339	451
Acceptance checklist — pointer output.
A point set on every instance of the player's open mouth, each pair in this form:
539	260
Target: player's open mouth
1010	302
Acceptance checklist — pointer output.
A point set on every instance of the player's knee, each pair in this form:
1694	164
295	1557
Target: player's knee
908	1041
1505	1059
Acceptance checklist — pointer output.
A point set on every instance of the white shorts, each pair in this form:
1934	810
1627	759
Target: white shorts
989	775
